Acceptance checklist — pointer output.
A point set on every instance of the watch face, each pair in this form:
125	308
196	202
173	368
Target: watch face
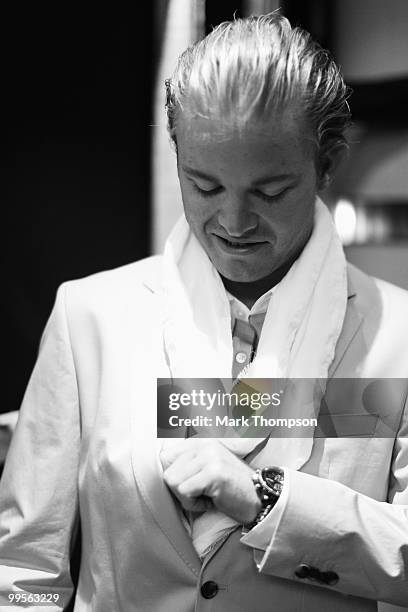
273	479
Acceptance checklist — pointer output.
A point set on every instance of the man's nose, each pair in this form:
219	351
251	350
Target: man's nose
236	217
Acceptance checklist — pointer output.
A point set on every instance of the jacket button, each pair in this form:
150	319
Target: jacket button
303	571
209	589
330	578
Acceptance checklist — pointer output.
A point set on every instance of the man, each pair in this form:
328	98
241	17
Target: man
253	284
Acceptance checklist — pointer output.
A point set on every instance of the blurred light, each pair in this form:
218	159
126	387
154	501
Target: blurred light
345	219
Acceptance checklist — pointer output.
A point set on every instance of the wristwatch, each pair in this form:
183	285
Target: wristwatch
268	483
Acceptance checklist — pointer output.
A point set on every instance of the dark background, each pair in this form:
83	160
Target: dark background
79	88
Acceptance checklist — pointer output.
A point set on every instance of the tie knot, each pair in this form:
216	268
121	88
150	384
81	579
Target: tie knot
244	331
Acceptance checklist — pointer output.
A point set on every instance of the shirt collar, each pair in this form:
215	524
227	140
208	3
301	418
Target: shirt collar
239	310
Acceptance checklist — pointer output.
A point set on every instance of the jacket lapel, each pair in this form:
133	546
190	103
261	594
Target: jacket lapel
352	322
147	363
156	495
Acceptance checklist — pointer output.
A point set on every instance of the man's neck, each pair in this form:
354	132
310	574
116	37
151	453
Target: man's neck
249	292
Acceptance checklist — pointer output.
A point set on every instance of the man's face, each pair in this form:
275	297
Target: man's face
248	195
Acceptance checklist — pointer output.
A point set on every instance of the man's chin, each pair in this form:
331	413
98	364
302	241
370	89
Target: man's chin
239	270
240	276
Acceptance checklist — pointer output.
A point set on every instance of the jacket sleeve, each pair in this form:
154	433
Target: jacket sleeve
38	489
328	535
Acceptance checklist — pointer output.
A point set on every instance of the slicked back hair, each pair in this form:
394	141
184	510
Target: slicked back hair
246	69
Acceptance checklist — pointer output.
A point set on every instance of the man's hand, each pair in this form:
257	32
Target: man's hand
204	473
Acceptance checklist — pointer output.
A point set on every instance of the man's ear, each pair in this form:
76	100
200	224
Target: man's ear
329	161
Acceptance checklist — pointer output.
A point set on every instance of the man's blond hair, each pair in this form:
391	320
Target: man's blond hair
247	68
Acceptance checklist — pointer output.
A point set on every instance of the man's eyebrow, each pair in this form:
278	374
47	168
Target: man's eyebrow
264	180
276	178
198	174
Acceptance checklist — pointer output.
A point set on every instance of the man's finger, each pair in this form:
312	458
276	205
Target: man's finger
171	453
194	486
180	470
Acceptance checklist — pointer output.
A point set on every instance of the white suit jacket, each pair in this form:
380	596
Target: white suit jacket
84	450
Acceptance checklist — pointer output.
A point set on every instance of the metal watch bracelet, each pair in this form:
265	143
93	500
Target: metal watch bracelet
268	483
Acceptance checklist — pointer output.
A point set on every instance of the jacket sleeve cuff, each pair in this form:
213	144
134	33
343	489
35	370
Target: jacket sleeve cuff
330	536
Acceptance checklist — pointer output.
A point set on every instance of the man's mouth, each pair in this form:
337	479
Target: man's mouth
239	245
